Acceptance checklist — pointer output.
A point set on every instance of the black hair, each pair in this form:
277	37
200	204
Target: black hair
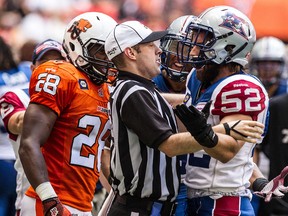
7	61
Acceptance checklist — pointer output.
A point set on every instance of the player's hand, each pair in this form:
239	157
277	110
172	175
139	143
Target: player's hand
195	122
53	207
275	188
246	130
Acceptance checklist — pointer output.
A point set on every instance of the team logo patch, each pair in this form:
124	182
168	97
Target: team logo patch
79	26
103	109
187	97
54	211
100	92
234	23
83	84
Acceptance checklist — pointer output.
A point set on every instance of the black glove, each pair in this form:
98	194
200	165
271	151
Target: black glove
195	122
53	206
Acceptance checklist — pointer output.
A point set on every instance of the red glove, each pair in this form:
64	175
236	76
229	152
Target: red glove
275	187
53	207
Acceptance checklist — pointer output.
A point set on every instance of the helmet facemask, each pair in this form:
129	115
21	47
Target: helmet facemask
94	61
269	71
268	60
170	61
206	53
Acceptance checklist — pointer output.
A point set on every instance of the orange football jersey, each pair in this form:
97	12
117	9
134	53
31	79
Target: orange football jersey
73	149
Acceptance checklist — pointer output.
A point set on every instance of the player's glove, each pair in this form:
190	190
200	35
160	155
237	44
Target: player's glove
274	188
195	122
53	207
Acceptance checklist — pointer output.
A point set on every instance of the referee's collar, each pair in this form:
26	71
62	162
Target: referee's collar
125	75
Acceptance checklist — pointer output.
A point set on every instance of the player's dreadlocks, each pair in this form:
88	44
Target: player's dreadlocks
6	56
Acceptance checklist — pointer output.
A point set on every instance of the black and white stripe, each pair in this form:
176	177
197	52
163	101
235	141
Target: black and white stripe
141	121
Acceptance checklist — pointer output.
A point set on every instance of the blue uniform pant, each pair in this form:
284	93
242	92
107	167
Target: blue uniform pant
7	187
225	206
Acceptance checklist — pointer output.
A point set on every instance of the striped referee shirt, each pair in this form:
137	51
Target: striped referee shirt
141	121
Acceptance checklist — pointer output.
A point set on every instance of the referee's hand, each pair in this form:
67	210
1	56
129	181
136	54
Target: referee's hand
195	122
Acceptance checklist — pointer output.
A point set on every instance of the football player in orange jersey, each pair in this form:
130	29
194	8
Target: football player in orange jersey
66	122
13	104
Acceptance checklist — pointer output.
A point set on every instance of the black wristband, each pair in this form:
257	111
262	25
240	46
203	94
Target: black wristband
109	179
259	184
227	128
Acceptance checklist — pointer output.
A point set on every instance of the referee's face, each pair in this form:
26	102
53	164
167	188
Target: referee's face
148	59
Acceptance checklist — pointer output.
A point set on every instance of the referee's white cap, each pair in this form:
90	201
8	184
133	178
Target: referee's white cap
128	34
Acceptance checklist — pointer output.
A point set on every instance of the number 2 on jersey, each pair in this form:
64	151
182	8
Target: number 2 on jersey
202	160
88	140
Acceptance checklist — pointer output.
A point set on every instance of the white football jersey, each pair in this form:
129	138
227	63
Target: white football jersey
237	94
12	102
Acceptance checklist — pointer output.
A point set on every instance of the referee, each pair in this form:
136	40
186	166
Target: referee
144	170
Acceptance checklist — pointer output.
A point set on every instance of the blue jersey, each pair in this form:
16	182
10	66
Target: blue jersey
161	84
282	87
10	79
16	77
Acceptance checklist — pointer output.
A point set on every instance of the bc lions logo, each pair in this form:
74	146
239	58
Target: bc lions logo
235	23
83	25
79	26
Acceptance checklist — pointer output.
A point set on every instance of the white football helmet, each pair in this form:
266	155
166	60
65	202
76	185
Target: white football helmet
229	37
83	43
169	45
268	60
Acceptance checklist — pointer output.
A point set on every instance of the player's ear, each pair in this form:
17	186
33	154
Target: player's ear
32	67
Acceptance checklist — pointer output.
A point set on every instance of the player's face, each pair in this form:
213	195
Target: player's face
172	58
198	39
207	73
97	51
148	59
268	71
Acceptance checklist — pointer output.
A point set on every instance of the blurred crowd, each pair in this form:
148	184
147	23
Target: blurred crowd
26	22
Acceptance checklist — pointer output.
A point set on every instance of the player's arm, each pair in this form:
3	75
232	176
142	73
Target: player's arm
12	111
183	143
227	147
15	122
38	124
173	98
105	166
105	159
219	146
256	174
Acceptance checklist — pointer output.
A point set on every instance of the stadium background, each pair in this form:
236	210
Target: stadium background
24	20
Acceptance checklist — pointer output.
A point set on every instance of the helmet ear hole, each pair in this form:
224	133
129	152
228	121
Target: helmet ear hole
229	48
72	46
